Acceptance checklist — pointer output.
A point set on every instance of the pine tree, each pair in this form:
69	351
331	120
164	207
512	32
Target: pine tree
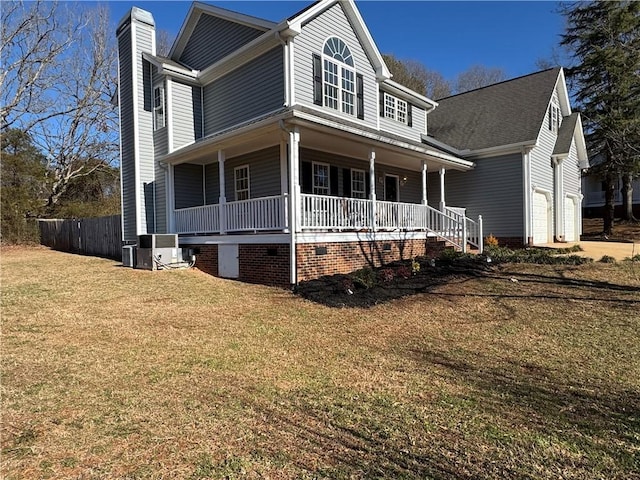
604	37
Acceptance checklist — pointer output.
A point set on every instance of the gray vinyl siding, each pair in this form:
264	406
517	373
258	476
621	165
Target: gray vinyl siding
252	90
144	38
571	172
212	183
264	173
541	166
402	129
214	38
127	161
186	114
188	185
492	189
332	22
411	192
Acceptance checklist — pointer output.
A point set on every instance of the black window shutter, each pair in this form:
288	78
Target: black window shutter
317	79
381	103
360	95
333	180
346	182
306	177
409	115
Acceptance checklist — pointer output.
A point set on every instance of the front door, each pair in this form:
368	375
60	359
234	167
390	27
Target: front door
391	188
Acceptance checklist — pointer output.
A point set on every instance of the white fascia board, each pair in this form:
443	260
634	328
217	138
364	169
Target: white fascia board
499	150
235	239
239	57
408	94
173	70
198	8
451	160
581	144
368	236
563	94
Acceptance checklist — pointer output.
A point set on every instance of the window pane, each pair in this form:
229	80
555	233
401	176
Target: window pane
389	106
358	188
330	84
401	113
320	179
242	183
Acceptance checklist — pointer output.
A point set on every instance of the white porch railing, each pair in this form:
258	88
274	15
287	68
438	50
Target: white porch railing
321	212
264	213
204	219
337	213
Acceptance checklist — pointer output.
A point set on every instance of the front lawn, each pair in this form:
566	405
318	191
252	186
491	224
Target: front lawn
524	371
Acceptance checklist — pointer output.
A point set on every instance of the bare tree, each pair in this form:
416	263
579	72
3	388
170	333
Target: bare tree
414	75
58	78
478	76
163	43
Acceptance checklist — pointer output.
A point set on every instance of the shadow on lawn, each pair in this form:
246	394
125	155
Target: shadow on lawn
334	291
597	417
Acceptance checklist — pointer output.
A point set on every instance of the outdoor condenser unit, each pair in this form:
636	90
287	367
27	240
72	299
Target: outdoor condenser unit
129	256
156	250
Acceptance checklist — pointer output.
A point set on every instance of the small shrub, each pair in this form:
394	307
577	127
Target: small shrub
415	266
491	241
365	277
607	259
635	258
403	271
386	275
347	285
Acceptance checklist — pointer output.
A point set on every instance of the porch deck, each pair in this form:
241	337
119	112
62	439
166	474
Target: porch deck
321	213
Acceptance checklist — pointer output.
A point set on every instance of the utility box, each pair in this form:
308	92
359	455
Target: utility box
158	258
129	256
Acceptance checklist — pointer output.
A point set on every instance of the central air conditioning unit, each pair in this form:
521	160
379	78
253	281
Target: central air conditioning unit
129	256
157	251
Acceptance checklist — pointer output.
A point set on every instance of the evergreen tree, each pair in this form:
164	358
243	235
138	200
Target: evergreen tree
604	38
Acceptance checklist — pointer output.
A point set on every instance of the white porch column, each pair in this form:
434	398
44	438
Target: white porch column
222	200
294	179
294	200
424	183
442	201
284	183
372	186
171	201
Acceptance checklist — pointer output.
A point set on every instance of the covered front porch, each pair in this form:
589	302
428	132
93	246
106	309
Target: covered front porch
314	179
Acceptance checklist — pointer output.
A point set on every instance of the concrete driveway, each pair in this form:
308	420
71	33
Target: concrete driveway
597	250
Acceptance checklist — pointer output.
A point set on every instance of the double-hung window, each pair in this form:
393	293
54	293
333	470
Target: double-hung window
358	184
320	179
339	77
555	117
395	108
158	107
241	175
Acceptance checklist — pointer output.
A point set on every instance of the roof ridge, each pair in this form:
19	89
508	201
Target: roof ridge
501	82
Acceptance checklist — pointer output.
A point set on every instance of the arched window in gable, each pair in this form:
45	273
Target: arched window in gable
336	84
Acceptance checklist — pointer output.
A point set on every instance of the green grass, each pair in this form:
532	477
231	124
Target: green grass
118	373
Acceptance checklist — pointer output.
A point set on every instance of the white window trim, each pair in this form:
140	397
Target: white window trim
235	182
341	68
394	115
162	107
313	178
364	183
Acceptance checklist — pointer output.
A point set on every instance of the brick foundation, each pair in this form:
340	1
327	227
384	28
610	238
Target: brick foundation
264	263
318	259
207	259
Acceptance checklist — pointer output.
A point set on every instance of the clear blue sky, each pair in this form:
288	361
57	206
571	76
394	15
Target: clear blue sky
446	36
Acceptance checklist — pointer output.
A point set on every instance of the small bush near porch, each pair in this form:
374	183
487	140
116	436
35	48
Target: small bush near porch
530	372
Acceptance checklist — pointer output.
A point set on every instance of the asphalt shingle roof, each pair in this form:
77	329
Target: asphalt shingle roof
501	114
565	134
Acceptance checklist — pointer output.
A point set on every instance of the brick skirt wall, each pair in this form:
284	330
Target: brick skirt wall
207	258
318	259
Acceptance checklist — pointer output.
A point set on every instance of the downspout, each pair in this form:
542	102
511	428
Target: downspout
526	192
287	69
293	209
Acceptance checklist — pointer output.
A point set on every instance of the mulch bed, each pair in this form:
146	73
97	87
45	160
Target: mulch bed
340	290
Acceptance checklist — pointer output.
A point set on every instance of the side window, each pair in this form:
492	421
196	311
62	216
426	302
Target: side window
321	179
241	178
358	184
158	107
395	109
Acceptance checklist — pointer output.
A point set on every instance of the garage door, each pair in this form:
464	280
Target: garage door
569	220
540	218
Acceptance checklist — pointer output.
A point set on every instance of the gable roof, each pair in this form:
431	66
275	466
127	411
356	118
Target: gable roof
506	113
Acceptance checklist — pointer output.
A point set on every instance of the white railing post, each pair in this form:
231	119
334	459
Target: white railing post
372	187
222	200
480	235
464	234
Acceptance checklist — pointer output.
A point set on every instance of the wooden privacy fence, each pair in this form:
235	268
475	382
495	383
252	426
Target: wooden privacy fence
100	236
